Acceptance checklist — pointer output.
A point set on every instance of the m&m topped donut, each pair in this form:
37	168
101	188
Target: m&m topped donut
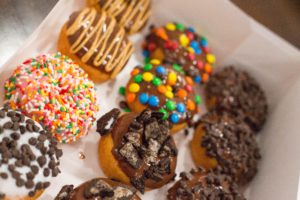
175	43
164	88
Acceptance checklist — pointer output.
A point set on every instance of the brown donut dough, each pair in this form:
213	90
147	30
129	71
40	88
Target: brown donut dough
144	157
97	189
100	47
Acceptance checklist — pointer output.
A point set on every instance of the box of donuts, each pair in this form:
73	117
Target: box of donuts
141	99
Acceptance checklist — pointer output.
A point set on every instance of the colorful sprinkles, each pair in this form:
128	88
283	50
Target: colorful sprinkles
180	44
163	87
53	90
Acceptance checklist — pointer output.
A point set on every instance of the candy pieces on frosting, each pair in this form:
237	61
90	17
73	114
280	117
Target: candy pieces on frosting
56	92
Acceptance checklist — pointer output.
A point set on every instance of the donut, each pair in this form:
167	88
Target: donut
56	92
132	15
29	156
236	92
96	43
202	184
226	142
175	43
163	88
137	149
98	188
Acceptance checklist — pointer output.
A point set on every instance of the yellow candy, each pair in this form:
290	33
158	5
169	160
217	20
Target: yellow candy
211	58
155	62
172	78
184	40
171	27
169	94
133	87
191	50
147	76
169	88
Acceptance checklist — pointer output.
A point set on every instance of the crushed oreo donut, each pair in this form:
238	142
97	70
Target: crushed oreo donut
163	88
98	189
238	93
138	150
202	184
132	15
225	142
175	43
29	156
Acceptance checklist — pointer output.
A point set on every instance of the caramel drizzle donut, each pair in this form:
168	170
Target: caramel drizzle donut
201	184
98	188
143	147
97	38
130	14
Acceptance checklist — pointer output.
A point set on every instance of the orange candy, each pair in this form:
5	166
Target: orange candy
130	97
135	72
160	32
205	77
181	93
191	105
162	89
208	68
189	80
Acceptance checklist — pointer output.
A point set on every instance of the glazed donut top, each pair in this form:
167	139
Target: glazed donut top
201	184
98	41
56	92
143	147
175	43
238	93
131	14
29	155
232	143
164	88
98	189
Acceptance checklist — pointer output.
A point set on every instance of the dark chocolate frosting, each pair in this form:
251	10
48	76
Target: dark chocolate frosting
239	94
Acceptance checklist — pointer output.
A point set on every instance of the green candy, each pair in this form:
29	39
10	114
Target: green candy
166	114
147	67
126	110
198	99
180	26
177	67
170	105
122	90
156	81
138	78
147	60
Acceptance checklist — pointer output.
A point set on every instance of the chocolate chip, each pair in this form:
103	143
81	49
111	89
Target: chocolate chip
30	176
29	127
32	141
29	121
55	172
20	182
29	184
42	138
22	129
3	175
8	125
36	128
15	136
46	184
2	114
46	172
41	160
1	129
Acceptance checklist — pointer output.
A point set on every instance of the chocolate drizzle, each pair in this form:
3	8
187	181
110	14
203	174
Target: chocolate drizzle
233	144
146	152
236	92
18	154
201	184
99	188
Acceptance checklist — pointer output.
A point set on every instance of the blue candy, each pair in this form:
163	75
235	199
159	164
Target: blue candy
146	53
161	70
204	42
197	79
181	107
198	51
153	101
191	29
143	98
194	44
174	118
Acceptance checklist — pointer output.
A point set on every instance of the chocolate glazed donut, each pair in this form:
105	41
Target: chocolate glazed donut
97	189
137	149
201	184
96	43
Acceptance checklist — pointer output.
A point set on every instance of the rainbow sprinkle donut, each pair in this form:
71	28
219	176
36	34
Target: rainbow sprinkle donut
56	92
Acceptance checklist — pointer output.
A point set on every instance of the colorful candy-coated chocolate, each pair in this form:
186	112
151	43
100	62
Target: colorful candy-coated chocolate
134	87
174	118
181	108
143	98
170	105
153	101
161	70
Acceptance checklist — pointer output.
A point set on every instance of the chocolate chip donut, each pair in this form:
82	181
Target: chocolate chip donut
236	92
29	156
96	43
202	184
132	15
98	189
137	149
175	43
220	140
163	88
